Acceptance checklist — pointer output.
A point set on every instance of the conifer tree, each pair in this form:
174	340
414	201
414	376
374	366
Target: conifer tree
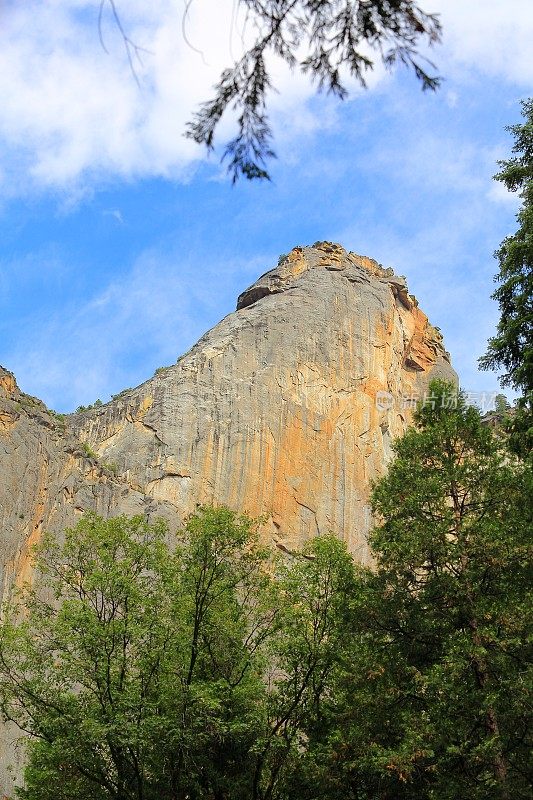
511	349
453	578
434	702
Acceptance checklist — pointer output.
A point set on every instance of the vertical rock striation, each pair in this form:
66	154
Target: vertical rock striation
287	408
48	478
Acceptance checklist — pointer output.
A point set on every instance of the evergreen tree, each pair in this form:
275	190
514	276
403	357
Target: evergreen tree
501	405
315	590
512	347
435	702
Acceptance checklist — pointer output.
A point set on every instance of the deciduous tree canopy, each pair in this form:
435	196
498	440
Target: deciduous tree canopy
144	672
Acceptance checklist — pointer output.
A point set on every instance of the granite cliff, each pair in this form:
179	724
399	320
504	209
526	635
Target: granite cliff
286	408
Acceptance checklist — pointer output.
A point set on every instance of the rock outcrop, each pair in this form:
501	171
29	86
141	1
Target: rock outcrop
287	408
48	478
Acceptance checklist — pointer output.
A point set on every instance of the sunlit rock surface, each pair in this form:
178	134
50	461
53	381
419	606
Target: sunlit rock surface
287	409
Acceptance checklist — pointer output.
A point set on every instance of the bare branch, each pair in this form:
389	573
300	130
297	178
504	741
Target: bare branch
133	50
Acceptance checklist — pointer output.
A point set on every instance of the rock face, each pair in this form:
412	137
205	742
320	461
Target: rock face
48	478
277	410
287	408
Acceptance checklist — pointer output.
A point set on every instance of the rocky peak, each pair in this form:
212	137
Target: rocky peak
8	384
278	410
321	255
287	408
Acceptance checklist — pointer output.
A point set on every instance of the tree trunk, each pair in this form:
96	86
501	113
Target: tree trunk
499	763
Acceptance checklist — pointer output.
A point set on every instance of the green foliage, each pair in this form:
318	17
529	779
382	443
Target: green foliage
512	347
519	427
121	393
56	415
157	672
207	668
110	467
436	703
315	591
501	404
29	402
97	404
88	451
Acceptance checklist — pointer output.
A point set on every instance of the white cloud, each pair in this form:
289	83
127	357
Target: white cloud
452	99
447	255
73	116
70	108
490	37
116	214
499	193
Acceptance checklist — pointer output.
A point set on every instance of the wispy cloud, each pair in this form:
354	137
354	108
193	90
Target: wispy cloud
440	222
73	115
487	37
116	214
412	175
120	335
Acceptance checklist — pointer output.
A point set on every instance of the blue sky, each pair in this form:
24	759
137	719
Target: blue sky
121	243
